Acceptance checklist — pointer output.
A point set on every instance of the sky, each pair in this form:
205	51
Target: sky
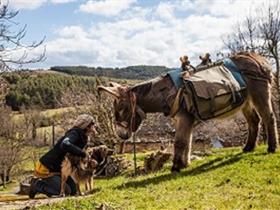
120	33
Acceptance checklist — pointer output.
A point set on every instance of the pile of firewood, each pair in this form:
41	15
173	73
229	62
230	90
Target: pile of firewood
154	162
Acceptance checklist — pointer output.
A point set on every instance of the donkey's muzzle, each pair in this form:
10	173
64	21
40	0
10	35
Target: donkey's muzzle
123	135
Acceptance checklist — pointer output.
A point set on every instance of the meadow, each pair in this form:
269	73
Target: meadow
225	179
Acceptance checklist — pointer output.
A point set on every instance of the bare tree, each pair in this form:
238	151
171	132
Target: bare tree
13	51
11	144
260	33
244	37
88	101
269	27
31	120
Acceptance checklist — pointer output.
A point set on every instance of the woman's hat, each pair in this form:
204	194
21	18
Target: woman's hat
83	121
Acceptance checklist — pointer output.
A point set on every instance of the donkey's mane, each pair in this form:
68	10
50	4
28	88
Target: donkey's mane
143	88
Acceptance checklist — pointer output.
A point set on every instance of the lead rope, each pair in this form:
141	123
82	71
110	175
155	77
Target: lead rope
133	127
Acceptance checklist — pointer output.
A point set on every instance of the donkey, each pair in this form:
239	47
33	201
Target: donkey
158	95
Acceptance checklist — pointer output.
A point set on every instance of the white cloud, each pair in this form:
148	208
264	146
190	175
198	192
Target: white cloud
165	11
226	8
33	4
153	36
62	1
121	43
206	26
26	4
71	31
106	7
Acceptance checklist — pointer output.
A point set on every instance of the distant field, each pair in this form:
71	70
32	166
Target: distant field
46	132
47	113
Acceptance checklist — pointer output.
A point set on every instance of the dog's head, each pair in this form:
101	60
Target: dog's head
99	153
88	163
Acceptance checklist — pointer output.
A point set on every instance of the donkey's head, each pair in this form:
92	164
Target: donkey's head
128	115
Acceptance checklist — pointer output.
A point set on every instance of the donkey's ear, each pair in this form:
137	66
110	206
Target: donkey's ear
111	91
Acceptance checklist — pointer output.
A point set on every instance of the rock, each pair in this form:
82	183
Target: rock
24	186
116	166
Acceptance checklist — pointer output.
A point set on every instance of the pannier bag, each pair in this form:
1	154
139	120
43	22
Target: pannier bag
212	92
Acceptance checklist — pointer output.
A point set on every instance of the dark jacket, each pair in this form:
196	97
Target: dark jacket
72	142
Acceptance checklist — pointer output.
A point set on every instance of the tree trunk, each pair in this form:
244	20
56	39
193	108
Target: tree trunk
277	108
34	133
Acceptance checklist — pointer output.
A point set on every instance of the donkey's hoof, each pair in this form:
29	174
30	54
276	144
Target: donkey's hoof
248	149
271	149
175	169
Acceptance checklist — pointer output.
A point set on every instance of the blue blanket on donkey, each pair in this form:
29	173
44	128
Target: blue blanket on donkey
234	71
176	77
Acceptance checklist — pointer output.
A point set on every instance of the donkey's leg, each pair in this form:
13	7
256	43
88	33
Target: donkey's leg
183	140
253	127
188	149
263	105
269	121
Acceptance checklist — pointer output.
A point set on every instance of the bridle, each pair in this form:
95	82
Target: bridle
133	105
132	99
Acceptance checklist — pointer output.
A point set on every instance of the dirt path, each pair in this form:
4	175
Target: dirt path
22	202
9	199
27	204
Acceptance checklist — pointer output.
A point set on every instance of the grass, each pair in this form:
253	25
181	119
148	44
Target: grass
227	179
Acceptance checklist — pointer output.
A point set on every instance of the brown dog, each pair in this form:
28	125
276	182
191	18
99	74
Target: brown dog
100	154
80	169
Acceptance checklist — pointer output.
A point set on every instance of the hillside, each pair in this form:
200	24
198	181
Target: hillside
226	179
130	72
48	89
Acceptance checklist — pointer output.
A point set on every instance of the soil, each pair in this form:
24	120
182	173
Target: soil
23	202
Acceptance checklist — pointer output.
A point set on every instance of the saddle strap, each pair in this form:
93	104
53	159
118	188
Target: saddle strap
176	104
212	100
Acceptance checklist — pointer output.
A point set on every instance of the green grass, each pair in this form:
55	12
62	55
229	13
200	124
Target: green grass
227	179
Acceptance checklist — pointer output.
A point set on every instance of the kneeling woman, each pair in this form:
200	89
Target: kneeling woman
47	170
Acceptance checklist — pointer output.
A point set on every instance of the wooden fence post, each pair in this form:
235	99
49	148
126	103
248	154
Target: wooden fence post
53	134
4	176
